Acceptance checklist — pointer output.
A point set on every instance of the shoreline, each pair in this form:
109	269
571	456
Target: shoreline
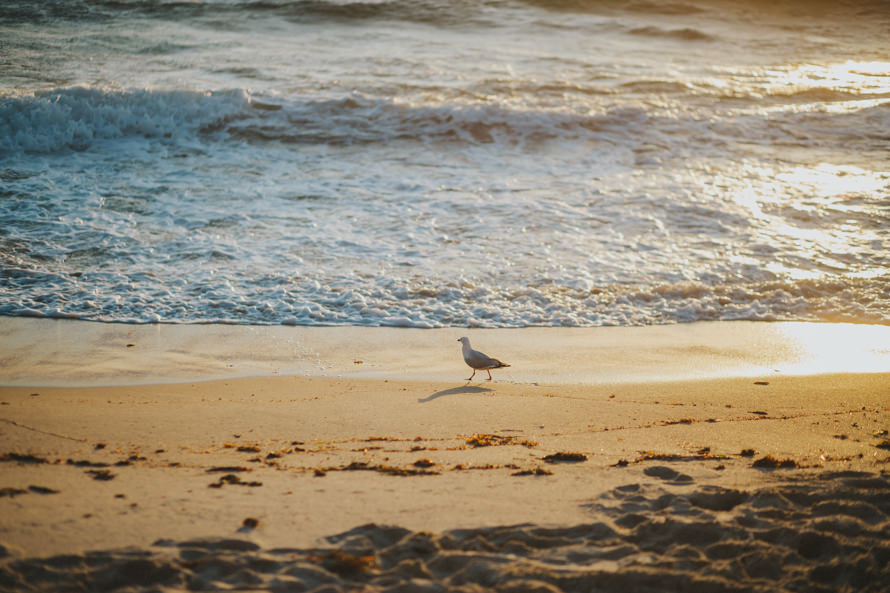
52	352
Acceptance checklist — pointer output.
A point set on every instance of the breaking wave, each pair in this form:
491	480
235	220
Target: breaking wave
74	119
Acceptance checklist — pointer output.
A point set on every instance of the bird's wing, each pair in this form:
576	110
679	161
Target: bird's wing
477	360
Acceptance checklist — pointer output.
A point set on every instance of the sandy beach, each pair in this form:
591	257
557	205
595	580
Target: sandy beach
339	480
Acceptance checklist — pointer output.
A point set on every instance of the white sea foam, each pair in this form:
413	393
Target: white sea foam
75	118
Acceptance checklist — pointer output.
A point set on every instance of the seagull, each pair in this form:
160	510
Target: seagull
478	361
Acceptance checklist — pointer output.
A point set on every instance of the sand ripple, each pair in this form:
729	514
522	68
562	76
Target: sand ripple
820	533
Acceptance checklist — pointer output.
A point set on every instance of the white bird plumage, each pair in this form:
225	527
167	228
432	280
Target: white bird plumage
478	361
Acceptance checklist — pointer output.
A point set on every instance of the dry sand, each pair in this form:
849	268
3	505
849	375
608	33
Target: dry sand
758	480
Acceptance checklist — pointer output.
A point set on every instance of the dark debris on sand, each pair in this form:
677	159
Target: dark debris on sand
494	440
233	480
102	475
382	468
819	533
538	471
770	462
23	458
565	457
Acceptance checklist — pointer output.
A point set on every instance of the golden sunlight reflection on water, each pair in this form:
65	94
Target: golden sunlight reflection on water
863	78
817	211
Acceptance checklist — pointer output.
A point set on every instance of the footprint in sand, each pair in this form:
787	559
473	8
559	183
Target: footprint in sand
663	472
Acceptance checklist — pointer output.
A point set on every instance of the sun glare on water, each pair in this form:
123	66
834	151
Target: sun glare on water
816	213
861	78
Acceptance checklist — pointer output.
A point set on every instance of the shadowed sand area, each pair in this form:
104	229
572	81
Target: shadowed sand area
749	481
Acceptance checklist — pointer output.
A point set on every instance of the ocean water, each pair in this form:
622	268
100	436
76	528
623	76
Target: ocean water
437	163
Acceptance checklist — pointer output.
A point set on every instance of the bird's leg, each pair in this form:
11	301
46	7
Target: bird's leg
489	374
473	375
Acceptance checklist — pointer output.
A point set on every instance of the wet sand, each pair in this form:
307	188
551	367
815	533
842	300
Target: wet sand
68	353
772	481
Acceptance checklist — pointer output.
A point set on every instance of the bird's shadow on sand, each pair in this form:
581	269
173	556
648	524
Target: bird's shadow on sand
454	391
